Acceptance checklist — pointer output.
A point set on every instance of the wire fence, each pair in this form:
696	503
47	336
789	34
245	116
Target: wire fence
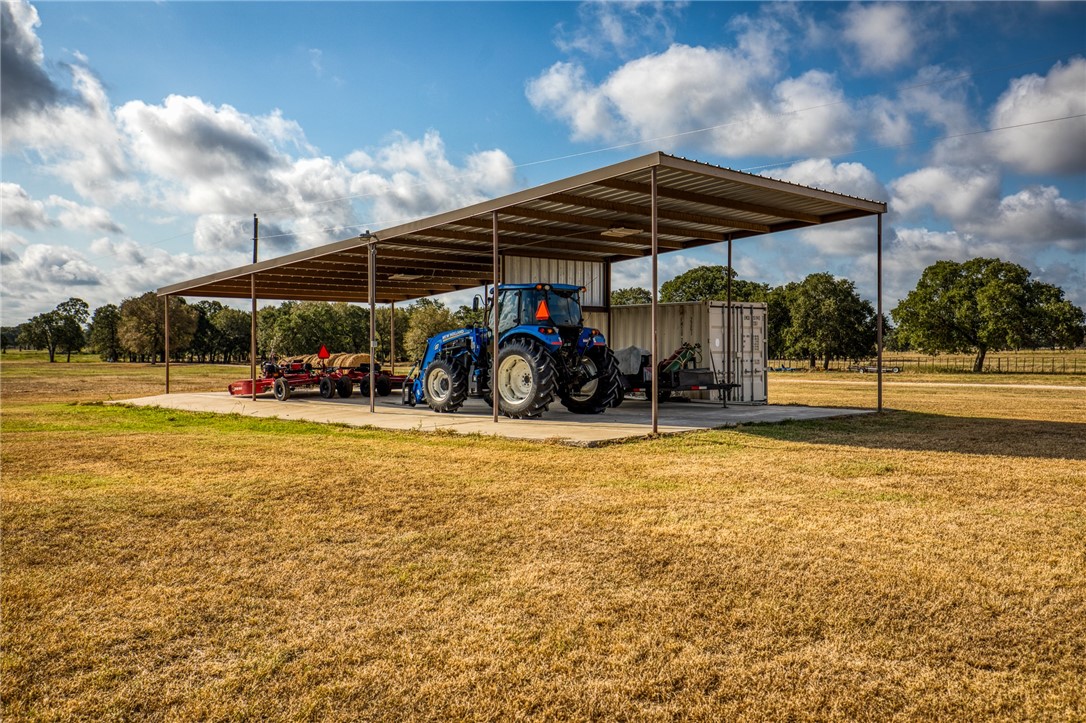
1069	362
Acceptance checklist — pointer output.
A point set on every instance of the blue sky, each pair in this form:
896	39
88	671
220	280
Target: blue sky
139	138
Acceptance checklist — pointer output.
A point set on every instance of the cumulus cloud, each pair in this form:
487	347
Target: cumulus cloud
24	84
408	178
735	91
883	35
78	217
20	210
959	194
53	265
1055	147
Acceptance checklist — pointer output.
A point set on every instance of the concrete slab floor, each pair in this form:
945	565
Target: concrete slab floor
629	421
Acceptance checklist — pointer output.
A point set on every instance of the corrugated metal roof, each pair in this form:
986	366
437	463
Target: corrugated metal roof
698	204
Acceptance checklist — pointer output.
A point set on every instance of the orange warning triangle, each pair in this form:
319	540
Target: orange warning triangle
323	353
542	313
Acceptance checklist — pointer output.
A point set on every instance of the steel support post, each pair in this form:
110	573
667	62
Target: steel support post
372	283
494	324
878	321
252	313
607	299
728	329
166	340
655	342
392	338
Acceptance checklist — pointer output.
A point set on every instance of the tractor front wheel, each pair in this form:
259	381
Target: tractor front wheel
445	385
602	390
281	389
525	381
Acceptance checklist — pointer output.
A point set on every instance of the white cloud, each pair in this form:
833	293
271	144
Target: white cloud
57	266
883	35
736	92
960	194
77	141
20	210
605	27
126	251
1056	147
409	178
1034	216
78	217
853	179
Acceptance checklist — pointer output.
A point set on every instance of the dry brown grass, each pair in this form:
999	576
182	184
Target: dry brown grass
919	565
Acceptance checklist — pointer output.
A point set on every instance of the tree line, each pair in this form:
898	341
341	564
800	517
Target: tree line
975	307
209	331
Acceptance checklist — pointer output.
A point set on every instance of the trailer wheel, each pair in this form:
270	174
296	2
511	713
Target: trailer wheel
344	387
600	393
327	388
525	380
384	385
445	385
281	389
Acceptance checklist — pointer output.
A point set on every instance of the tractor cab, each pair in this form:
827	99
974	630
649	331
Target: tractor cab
548	305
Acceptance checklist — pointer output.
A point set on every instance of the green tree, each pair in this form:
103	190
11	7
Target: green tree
232	330
828	320
428	317
142	325
9	336
104	335
710	283
42	332
205	341
1056	323
983	305
383	317
74	313
630	296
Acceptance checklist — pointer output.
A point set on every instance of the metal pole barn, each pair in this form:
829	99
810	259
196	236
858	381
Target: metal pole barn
878	322
494	323
372	283
655	391
252	313
166	334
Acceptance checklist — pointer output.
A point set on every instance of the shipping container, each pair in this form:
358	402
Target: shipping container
704	323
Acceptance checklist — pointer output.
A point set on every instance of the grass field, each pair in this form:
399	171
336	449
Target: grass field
928	563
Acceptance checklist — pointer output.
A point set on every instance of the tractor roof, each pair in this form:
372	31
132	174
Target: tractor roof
559	287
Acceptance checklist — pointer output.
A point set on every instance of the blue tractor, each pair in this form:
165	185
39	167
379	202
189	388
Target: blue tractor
544	350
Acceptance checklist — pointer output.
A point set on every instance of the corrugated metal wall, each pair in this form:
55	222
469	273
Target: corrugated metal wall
526	270
703	323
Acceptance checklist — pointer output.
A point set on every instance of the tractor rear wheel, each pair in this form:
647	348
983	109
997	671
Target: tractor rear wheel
445	385
327	388
596	395
281	389
526	378
344	387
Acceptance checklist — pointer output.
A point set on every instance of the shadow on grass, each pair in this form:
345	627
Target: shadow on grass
916	431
